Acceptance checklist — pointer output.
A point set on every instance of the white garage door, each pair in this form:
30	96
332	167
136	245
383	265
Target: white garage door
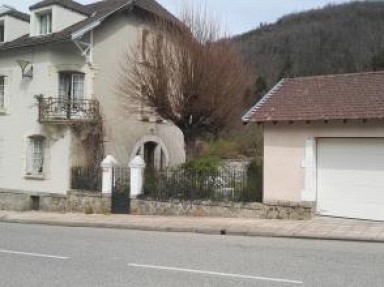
350	178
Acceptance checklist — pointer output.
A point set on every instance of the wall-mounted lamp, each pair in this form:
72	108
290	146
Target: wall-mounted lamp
26	69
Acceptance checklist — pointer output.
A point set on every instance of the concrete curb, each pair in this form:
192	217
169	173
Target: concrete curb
198	230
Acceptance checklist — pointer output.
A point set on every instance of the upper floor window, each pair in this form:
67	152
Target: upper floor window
45	23
2	34
71	86
2	92
35	155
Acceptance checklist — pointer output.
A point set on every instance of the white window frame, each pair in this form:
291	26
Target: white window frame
45	22
35	156
78	86
77	79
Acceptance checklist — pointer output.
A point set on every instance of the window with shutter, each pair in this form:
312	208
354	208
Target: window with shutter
35	156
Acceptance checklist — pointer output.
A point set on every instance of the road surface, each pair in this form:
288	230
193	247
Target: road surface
37	255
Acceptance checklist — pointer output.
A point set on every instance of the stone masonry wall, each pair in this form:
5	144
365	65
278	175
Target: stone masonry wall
86	202
271	210
17	201
75	201
95	202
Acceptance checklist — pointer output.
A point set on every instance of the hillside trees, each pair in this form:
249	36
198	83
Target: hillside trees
336	39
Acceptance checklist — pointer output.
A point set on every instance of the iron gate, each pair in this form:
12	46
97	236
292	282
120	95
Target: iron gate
121	191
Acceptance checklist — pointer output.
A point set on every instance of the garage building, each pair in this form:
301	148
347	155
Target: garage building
324	143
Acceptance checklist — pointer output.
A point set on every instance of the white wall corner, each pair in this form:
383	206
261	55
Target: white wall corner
309	164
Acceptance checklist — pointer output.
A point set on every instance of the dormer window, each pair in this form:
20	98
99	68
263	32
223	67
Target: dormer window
45	23
2	37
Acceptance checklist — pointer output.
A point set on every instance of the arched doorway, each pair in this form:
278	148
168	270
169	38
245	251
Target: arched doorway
153	151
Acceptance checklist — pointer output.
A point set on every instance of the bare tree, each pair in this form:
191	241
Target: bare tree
189	73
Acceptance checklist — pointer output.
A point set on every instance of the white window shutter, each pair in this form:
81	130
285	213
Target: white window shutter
309	193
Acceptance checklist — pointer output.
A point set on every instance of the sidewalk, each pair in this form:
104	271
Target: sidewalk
317	228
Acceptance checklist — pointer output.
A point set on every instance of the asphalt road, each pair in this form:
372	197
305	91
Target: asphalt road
33	255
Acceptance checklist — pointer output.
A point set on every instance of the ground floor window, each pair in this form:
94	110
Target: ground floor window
35	155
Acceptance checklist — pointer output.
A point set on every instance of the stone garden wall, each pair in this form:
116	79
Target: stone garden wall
271	210
98	203
74	201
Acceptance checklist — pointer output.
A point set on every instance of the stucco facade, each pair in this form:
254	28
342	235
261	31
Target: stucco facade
290	154
125	129
125	132
19	27
19	121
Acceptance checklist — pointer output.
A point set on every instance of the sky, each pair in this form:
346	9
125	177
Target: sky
237	16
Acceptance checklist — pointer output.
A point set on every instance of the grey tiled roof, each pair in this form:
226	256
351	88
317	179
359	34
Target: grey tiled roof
69	4
97	11
16	14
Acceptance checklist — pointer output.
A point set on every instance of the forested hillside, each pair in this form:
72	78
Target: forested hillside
336	39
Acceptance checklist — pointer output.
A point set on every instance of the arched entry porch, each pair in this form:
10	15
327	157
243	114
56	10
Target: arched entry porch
154	152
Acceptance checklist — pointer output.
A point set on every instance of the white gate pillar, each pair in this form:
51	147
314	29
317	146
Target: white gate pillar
137	166
107	165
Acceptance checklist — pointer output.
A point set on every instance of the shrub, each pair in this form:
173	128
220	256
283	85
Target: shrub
245	143
210	164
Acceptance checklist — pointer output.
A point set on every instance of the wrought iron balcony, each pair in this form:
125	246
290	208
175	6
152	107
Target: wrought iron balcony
64	111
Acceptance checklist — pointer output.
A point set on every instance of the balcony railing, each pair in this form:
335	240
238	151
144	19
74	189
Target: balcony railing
55	110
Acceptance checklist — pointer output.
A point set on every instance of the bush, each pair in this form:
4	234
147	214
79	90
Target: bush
210	164
245	143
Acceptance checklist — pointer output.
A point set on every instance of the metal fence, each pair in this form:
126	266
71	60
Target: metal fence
225	185
86	178
221	186
122	179
121	190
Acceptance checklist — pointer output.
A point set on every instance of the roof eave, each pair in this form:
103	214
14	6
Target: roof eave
248	115
81	32
36	7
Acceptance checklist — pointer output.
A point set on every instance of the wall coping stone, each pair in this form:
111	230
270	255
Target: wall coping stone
287	211
303	204
87	193
242	205
32	193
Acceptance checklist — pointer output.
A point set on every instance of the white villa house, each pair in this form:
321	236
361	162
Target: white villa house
54	63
